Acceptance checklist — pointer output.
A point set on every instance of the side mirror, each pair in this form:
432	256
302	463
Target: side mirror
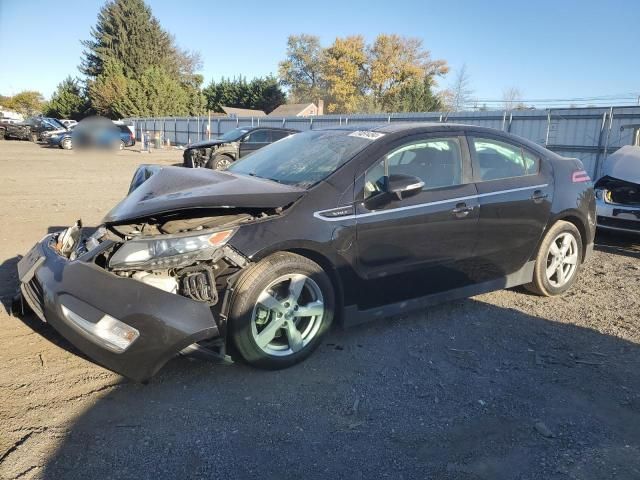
403	186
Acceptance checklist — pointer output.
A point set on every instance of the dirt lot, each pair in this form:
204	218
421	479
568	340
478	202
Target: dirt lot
500	386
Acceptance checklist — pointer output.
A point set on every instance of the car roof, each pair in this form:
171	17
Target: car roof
398	128
395	127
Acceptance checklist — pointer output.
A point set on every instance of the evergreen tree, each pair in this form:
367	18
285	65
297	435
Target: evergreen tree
416	96
259	94
68	101
128	52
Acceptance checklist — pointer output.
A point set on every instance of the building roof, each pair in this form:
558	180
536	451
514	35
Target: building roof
243	112
291	109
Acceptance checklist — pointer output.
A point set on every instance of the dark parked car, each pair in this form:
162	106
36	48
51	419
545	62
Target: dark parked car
222	152
343	223
33	128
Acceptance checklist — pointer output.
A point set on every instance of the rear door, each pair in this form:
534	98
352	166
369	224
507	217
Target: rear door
422	244
515	188
254	140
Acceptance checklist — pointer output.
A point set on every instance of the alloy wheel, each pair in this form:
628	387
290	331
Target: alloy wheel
287	315
562	259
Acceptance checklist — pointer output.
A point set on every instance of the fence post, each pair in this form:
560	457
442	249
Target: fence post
188	130
310	123
606	141
546	139
509	124
504	119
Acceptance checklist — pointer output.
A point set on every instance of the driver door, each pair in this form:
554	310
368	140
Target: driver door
254	140
424	243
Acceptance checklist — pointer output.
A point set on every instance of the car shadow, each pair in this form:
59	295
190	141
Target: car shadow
619	243
461	390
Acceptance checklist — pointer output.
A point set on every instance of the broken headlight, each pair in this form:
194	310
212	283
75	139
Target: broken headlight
168	251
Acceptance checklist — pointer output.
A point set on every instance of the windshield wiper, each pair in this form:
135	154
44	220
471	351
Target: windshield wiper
253	174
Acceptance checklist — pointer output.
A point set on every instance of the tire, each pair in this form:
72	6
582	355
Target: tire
66	144
560	248
34	137
219	162
271	282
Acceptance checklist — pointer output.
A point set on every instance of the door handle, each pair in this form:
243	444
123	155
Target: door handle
538	196
462	210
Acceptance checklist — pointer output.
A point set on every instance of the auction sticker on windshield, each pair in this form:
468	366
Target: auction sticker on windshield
369	135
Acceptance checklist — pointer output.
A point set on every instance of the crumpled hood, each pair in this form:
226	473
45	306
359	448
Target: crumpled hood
176	188
205	143
623	164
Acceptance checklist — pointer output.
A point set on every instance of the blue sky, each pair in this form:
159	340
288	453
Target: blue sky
547	49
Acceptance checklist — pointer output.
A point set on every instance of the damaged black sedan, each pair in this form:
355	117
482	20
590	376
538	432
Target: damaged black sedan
344	223
219	153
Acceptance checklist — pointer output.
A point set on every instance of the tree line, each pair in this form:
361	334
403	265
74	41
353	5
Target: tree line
131	66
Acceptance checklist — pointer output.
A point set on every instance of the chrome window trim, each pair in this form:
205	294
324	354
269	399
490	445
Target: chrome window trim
319	213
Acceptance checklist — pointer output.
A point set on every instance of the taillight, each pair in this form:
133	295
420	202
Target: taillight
580	176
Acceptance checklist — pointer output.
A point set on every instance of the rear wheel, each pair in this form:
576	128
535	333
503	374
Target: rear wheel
558	261
34	137
281	309
219	162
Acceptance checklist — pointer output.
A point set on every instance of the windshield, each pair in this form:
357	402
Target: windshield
234	134
303	159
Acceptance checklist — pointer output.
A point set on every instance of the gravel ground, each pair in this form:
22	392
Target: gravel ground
500	386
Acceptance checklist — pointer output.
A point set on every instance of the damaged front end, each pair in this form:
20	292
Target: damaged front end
155	278
130	299
618	192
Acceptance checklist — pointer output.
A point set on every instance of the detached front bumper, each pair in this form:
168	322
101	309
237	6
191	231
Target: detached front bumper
613	216
166	322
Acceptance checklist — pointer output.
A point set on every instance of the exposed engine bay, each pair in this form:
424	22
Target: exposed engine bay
619	191
199	156
177	252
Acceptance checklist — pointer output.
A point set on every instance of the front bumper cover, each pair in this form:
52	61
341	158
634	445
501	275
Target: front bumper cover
613	216
167	322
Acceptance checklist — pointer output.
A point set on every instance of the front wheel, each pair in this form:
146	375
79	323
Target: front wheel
66	144
219	162
558	261
281	309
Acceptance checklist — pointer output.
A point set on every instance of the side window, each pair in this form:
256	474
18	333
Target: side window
436	161
258	136
498	159
531	162
278	135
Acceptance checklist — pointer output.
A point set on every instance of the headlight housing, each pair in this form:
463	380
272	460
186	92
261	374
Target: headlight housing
168	251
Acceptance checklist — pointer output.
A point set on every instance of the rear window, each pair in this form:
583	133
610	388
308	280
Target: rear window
124	129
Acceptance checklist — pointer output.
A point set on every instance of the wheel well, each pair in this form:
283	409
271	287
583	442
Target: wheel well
579	224
214	154
328	267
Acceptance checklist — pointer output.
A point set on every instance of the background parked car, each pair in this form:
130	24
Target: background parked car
96	132
221	152
33	128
